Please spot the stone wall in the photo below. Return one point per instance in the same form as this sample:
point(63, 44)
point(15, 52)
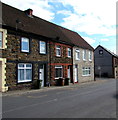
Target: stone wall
point(83, 63)
point(14, 56)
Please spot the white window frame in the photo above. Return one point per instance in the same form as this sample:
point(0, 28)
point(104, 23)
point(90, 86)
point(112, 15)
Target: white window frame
point(77, 54)
point(58, 48)
point(86, 71)
point(90, 55)
point(69, 52)
point(24, 39)
point(1, 39)
point(40, 47)
point(84, 54)
point(24, 68)
point(58, 66)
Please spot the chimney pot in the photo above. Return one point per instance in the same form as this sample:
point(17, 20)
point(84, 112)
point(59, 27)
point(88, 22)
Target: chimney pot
point(29, 13)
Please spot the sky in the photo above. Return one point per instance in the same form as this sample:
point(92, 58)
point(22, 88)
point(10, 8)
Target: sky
point(94, 20)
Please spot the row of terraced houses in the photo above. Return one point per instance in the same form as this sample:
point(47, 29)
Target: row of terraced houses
point(32, 49)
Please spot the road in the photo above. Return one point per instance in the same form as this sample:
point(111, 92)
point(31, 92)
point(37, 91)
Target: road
point(89, 101)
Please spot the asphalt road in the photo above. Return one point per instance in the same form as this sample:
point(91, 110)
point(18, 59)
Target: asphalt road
point(89, 101)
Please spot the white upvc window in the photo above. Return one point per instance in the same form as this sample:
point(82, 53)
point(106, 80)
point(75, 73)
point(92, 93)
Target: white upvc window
point(84, 54)
point(24, 72)
point(1, 39)
point(86, 71)
point(42, 47)
point(69, 52)
point(90, 55)
point(58, 71)
point(77, 54)
point(58, 50)
point(24, 44)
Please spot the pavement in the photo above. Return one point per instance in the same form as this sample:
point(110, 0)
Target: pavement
point(19, 92)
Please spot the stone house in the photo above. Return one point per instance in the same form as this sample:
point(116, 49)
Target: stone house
point(106, 63)
point(32, 49)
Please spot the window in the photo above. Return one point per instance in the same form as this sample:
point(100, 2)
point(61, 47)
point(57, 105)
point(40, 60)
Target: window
point(69, 52)
point(77, 54)
point(86, 71)
point(42, 47)
point(58, 51)
point(24, 44)
point(58, 71)
point(84, 54)
point(100, 52)
point(1, 37)
point(24, 72)
point(90, 55)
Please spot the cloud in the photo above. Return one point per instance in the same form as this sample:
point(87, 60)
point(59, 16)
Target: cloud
point(104, 39)
point(64, 12)
point(89, 40)
point(41, 8)
point(99, 16)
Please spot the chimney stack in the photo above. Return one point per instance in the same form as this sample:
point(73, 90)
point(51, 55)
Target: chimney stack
point(29, 13)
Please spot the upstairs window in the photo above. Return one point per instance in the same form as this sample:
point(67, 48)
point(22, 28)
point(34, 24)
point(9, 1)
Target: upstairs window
point(42, 47)
point(77, 54)
point(90, 55)
point(24, 44)
point(24, 72)
point(84, 54)
point(58, 50)
point(69, 52)
point(1, 39)
point(101, 52)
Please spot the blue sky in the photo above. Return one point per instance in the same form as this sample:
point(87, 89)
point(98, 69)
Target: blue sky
point(94, 20)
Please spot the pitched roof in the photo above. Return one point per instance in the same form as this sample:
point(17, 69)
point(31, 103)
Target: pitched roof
point(113, 54)
point(41, 27)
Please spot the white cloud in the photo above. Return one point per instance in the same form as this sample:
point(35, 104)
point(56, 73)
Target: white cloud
point(40, 8)
point(89, 40)
point(99, 18)
point(64, 12)
point(104, 39)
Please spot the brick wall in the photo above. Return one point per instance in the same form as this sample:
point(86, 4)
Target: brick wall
point(63, 60)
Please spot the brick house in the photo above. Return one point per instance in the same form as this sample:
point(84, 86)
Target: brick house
point(106, 63)
point(83, 58)
point(32, 48)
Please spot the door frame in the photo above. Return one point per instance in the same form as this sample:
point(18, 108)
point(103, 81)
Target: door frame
point(45, 72)
point(76, 65)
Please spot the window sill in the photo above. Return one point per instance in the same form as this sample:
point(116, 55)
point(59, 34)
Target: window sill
point(86, 75)
point(24, 81)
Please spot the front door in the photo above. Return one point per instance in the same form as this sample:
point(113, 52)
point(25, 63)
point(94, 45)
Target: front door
point(41, 74)
point(69, 73)
point(76, 73)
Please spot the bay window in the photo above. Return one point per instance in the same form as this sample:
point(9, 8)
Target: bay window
point(24, 72)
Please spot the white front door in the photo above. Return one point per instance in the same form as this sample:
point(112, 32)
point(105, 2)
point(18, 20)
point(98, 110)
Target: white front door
point(76, 73)
point(69, 73)
point(41, 74)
